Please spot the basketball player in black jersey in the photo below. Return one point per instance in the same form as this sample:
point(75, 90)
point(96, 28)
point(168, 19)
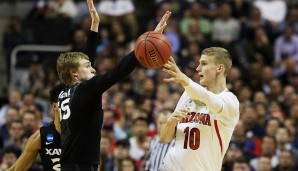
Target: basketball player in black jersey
point(46, 141)
point(80, 102)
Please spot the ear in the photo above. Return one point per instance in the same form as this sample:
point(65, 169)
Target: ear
point(54, 105)
point(221, 68)
point(73, 73)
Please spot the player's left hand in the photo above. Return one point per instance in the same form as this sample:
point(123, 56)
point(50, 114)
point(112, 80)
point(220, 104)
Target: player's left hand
point(163, 22)
point(177, 76)
point(94, 15)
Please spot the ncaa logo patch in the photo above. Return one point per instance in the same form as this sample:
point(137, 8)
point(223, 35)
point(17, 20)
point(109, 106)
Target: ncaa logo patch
point(50, 137)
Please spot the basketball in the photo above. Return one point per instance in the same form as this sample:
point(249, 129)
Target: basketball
point(153, 49)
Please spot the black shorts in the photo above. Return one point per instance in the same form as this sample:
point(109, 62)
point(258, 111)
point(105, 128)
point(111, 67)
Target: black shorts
point(79, 167)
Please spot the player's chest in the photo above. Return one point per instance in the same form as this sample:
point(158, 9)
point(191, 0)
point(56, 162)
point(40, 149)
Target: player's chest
point(199, 115)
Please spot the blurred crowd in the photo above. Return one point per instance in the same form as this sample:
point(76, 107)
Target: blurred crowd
point(261, 35)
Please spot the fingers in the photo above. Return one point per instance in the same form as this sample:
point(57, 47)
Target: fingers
point(166, 65)
point(163, 22)
point(172, 60)
point(169, 68)
point(89, 3)
point(164, 19)
point(171, 63)
point(171, 72)
point(163, 27)
point(166, 16)
point(180, 114)
point(169, 80)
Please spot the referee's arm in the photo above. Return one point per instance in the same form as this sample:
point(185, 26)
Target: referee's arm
point(167, 132)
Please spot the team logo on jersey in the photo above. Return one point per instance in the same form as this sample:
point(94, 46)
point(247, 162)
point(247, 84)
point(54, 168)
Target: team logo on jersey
point(51, 151)
point(200, 118)
point(50, 138)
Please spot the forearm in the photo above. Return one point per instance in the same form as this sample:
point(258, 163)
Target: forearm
point(23, 163)
point(28, 156)
point(90, 50)
point(124, 68)
point(126, 65)
point(167, 132)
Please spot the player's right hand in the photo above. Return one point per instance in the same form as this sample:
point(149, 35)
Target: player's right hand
point(179, 115)
point(163, 22)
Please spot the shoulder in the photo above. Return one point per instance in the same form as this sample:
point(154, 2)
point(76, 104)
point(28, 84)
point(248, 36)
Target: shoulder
point(230, 100)
point(46, 127)
point(184, 95)
point(35, 136)
point(226, 94)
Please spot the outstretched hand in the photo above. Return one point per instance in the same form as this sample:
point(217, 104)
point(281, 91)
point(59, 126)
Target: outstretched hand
point(177, 76)
point(163, 22)
point(94, 16)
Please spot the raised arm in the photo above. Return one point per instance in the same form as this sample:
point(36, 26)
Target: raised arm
point(93, 36)
point(28, 156)
point(94, 16)
point(125, 67)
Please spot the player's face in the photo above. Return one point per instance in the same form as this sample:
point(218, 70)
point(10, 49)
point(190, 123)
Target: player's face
point(207, 70)
point(85, 70)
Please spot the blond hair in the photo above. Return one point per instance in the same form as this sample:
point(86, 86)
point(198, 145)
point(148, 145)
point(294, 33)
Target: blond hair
point(221, 56)
point(66, 62)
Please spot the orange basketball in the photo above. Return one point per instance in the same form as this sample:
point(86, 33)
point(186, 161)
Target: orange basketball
point(153, 49)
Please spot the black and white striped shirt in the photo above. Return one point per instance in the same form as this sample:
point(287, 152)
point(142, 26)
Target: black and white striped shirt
point(156, 154)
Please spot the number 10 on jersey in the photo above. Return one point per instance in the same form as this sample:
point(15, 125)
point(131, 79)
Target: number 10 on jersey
point(192, 138)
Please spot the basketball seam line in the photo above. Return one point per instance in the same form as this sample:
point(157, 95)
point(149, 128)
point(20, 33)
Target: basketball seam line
point(161, 40)
point(146, 51)
point(157, 51)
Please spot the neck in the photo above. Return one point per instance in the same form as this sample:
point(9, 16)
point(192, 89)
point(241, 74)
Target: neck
point(72, 83)
point(218, 85)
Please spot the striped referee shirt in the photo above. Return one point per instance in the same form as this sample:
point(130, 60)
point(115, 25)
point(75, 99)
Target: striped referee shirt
point(156, 154)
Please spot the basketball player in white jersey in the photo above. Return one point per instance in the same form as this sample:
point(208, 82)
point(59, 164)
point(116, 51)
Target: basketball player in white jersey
point(204, 118)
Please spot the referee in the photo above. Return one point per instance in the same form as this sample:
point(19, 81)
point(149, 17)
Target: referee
point(158, 150)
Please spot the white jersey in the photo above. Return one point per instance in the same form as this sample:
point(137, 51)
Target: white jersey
point(202, 139)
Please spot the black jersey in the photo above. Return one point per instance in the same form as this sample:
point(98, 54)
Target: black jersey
point(82, 115)
point(50, 147)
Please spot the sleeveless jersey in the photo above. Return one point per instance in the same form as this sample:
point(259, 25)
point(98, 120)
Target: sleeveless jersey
point(50, 147)
point(202, 139)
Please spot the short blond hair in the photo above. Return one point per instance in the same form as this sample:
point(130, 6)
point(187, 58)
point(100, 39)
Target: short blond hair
point(221, 56)
point(66, 62)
